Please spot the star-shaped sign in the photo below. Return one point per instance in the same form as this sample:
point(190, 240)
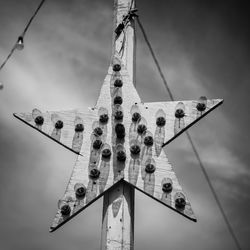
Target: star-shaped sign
point(120, 139)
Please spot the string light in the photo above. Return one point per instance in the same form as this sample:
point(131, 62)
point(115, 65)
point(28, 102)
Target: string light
point(19, 45)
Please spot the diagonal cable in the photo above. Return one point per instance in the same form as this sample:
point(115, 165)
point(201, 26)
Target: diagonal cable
point(22, 34)
point(230, 229)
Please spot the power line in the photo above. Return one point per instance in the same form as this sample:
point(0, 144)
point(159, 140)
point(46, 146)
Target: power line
point(230, 229)
point(20, 38)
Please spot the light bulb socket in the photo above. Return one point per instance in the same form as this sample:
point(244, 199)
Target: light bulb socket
point(97, 144)
point(98, 131)
point(104, 118)
point(39, 120)
point(94, 173)
point(118, 100)
point(118, 83)
point(106, 153)
point(136, 117)
point(79, 127)
point(160, 121)
point(65, 209)
point(59, 124)
point(121, 156)
point(120, 130)
point(149, 141)
point(119, 115)
point(141, 129)
point(179, 113)
point(135, 149)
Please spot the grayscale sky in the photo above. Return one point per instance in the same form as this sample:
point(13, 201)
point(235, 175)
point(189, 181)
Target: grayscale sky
point(204, 49)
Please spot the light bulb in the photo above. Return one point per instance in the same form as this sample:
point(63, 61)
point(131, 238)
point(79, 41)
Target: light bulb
point(19, 43)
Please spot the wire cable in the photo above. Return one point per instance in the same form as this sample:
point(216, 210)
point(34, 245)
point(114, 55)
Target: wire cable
point(22, 34)
point(230, 229)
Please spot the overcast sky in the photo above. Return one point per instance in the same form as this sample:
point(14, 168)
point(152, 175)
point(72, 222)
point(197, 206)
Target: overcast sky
point(203, 47)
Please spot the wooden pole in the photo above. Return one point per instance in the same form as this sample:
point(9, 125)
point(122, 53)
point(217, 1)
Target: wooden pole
point(118, 203)
point(118, 218)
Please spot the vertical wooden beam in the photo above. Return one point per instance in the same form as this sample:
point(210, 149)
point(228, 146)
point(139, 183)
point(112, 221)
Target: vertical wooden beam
point(118, 218)
point(121, 8)
point(118, 203)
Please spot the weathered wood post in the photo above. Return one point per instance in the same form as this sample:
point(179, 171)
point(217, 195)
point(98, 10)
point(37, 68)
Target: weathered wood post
point(119, 143)
point(118, 203)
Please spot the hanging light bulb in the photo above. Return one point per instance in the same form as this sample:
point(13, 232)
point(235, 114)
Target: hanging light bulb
point(1, 86)
point(19, 43)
